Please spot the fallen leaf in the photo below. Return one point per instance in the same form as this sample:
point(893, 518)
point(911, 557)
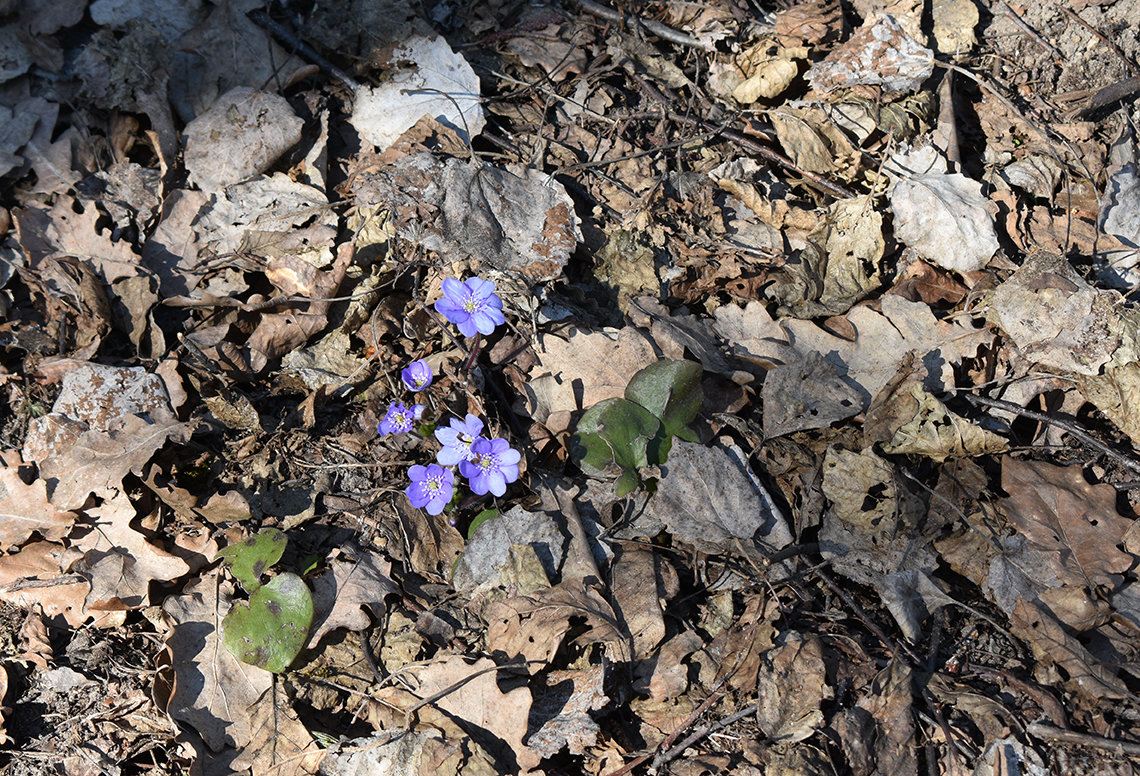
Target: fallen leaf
point(880, 53)
point(213, 691)
point(806, 394)
point(35, 641)
point(871, 527)
point(25, 509)
point(1052, 646)
point(946, 219)
point(905, 418)
point(33, 576)
point(240, 136)
point(1073, 523)
point(792, 684)
point(872, 356)
point(426, 78)
point(581, 368)
point(345, 594)
point(535, 626)
point(119, 560)
point(708, 498)
point(488, 549)
point(889, 702)
point(561, 710)
point(279, 744)
point(469, 692)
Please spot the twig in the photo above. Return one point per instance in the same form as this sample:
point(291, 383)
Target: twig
point(1116, 746)
point(1068, 426)
point(888, 642)
point(663, 31)
point(1106, 41)
point(289, 40)
point(1029, 30)
point(663, 747)
point(666, 757)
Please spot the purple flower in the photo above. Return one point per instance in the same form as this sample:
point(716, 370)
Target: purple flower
point(457, 440)
point(493, 464)
point(400, 419)
point(431, 487)
point(472, 305)
point(417, 375)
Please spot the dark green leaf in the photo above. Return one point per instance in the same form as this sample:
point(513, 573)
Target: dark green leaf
point(251, 558)
point(613, 438)
point(482, 517)
point(671, 390)
point(271, 629)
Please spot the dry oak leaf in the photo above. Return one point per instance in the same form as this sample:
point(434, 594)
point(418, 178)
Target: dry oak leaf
point(471, 695)
point(26, 510)
point(870, 356)
point(792, 685)
point(119, 560)
point(534, 626)
point(211, 690)
point(577, 369)
point(1074, 523)
point(33, 576)
point(343, 595)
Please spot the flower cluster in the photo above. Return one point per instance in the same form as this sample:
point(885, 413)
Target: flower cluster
point(488, 464)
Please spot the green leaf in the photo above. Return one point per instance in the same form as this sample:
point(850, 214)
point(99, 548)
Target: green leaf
point(613, 437)
point(482, 517)
point(271, 629)
point(671, 390)
point(251, 558)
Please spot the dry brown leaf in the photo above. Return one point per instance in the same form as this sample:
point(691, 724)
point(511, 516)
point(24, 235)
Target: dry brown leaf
point(280, 744)
point(871, 357)
point(25, 509)
point(534, 626)
point(212, 691)
point(1052, 646)
point(1074, 524)
point(792, 684)
point(4, 710)
point(471, 695)
point(890, 703)
point(33, 576)
point(345, 593)
point(99, 460)
point(562, 707)
point(880, 53)
point(639, 593)
point(581, 368)
point(1060, 321)
point(119, 560)
point(905, 418)
point(549, 49)
point(34, 640)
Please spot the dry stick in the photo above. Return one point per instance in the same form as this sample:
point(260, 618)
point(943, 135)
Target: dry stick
point(888, 642)
point(663, 746)
point(1050, 733)
point(657, 28)
point(1106, 41)
point(666, 757)
point(1029, 30)
point(1065, 425)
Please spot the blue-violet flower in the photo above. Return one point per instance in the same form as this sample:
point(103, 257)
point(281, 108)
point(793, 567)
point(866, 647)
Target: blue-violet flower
point(417, 375)
point(400, 419)
point(493, 464)
point(431, 487)
point(457, 440)
point(472, 305)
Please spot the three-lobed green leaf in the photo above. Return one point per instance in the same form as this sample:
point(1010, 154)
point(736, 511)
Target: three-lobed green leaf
point(250, 559)
point(620, 436)
point(270, 631)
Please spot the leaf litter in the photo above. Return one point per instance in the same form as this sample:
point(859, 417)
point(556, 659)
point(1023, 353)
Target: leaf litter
point(820, 353)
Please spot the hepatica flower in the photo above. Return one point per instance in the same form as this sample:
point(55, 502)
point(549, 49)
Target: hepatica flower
point(431, 487)
point(400, 419)
point(457, 440)
point(492, 465)
point(417, 375)
point(472, 305)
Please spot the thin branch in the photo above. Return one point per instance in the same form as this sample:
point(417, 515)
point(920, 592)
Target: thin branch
point(663, 31)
